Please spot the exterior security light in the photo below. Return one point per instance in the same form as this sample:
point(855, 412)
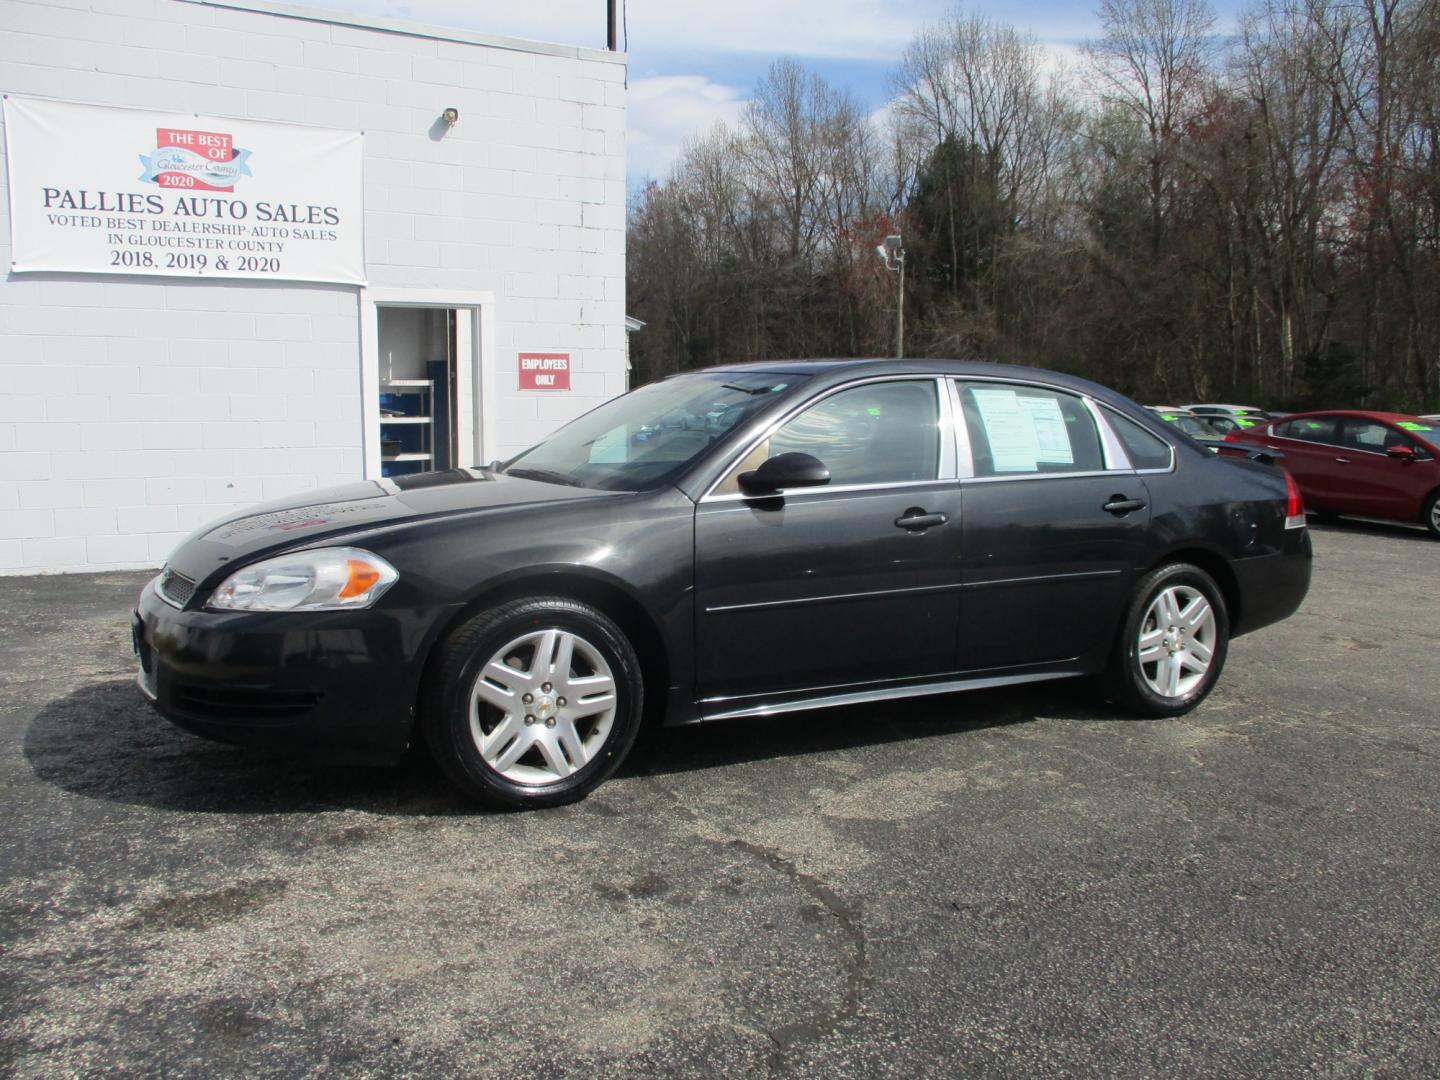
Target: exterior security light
point(892, 253)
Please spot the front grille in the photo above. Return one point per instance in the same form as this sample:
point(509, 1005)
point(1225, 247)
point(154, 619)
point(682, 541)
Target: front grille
point(237, 703)
point(175, 588)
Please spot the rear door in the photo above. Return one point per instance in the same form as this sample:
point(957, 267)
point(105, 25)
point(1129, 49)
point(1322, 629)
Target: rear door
point(1311, 445)
point(1055, 524)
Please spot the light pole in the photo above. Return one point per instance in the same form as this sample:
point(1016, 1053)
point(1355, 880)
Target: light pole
point(893, 253)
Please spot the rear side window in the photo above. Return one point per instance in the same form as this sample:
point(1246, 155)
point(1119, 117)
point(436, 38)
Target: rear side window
point(1317, 429)
point(1020, 430)
point(1145, 450)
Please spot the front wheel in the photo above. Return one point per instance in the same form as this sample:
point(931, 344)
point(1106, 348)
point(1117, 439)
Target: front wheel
point(1172, 643)
point(533, 703)
point(1430, 515)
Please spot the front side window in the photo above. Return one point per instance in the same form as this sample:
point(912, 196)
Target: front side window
point(876, 433)
point(1370, 436)
point(1021, 430)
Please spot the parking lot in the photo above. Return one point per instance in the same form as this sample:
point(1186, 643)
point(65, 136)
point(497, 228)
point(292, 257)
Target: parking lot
point(1015, 882)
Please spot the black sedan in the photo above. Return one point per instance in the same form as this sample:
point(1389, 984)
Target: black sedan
point(743, 541)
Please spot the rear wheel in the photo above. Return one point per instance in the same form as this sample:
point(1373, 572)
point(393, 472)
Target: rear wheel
point(1172, 643)
point(534, 703)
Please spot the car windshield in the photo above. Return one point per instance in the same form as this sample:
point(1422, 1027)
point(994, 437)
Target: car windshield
point(646, 438)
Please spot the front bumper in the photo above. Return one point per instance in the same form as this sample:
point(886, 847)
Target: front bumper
point(341, 685)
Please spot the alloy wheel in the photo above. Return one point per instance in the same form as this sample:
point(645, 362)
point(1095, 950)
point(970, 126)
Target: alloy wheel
point(542, 707)
point(1177, 641)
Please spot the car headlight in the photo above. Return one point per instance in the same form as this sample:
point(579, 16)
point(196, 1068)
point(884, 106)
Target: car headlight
point(325, 579)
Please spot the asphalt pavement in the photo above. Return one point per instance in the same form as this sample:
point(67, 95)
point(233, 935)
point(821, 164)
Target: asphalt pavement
point(1000, 883)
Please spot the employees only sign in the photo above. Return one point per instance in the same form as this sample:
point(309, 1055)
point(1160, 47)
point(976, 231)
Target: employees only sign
point(97, 190)
point(544, 371)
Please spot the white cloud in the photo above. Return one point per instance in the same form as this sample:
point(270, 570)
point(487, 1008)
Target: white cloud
point(666, 111)
point(861, 29)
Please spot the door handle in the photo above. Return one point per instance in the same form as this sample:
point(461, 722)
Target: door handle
point(1343, 460)
point(1119, 505)
point(917, 520)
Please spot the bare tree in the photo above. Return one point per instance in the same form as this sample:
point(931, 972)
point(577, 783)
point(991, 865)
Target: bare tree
point(1153, 62)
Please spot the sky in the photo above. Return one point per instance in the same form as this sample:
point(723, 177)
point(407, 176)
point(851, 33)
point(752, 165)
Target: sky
point(694, 63)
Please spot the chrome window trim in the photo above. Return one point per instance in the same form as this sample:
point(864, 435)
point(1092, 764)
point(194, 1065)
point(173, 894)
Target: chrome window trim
point(1041, 476)
point(1117, 459)
point(1372, 453)
point(965, 453)
point(948, 455)
point(945, 463)
point(1311, 442)
point(825, 489)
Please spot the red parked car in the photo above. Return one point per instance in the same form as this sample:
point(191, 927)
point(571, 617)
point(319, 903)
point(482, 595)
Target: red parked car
point(1376, 464)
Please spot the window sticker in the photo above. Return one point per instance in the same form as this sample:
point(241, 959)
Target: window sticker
point(1411, 425)
point(1052, 438)
point(612, 447)
point(1170, 416)
point(1013, 446)
point(1314, 425)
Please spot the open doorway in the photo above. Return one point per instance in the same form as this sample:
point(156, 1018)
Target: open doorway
point(428, 397)
point(418, 403)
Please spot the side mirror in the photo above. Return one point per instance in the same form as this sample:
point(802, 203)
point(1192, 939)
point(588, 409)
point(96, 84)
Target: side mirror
point(1400, 452)
point(791, 470)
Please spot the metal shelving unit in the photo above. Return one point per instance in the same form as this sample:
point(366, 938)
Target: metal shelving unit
point(411, 450)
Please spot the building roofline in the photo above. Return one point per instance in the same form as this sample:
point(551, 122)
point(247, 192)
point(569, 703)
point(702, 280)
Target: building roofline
point(412, 29)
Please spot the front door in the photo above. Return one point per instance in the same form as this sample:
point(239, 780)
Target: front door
point(853, 583)
point(1374, 482)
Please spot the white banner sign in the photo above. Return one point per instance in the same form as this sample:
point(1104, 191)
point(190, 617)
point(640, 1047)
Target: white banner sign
point(96, 190)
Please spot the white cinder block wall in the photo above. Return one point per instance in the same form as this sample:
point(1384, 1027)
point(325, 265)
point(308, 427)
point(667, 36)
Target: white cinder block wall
point(133, 410)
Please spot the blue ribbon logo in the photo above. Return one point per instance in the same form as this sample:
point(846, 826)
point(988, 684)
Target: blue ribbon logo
point(176, 159)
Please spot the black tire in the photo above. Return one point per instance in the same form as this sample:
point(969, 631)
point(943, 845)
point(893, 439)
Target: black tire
point(1428, 515)
point(1124, 681)
point(445, 704)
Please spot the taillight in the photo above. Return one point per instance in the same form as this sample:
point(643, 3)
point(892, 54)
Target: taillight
point(1294, 504)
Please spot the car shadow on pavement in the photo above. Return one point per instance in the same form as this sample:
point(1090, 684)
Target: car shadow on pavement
point(104, 742)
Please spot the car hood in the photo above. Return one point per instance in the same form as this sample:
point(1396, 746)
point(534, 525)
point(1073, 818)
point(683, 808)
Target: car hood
point(332, 513)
